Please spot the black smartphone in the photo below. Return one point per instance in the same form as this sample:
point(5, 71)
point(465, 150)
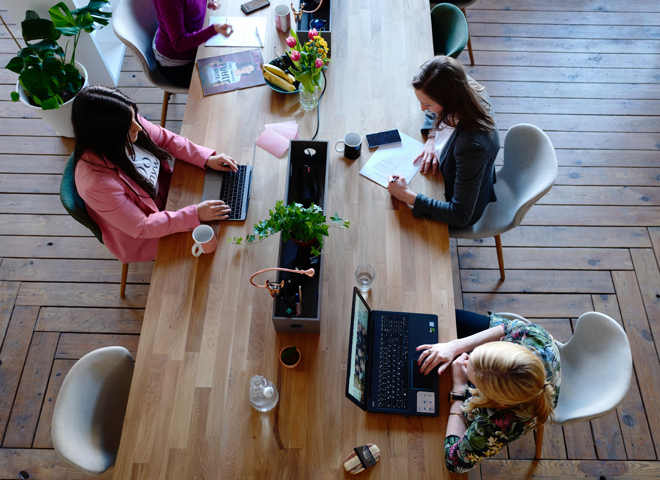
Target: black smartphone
point(253, 6)
point(383, 138)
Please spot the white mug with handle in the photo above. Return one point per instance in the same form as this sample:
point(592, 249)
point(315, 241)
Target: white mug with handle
point(205, 241)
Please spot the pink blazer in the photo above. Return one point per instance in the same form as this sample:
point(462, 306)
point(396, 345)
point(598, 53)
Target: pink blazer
point(131, 222)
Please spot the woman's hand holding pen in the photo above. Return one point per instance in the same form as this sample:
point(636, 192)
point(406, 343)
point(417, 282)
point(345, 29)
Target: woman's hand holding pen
point(222, 162)
point(398, 188)
point(224, 29)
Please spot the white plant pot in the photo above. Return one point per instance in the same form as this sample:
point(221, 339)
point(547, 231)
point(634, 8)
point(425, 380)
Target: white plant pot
point(60, 118)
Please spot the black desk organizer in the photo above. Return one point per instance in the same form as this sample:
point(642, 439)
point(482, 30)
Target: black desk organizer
point(292, 256)
point(302, 27)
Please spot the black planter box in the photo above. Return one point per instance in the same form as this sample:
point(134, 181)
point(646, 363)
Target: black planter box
point(302, 27)
point(292, 256)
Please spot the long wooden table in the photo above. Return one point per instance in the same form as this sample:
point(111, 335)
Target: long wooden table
point(206, 330)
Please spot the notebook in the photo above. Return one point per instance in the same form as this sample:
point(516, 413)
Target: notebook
point(382, 372)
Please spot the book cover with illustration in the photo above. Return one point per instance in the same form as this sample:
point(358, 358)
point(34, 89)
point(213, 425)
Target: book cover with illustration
point(231, 72)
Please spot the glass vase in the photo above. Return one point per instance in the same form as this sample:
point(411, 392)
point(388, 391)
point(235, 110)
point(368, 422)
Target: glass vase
point(309, 100)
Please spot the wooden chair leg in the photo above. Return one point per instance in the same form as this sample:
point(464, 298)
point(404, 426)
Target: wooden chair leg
point(500, 256)
point(539, 442)
point(163, 114)
point(124, 275)
point(469, 45)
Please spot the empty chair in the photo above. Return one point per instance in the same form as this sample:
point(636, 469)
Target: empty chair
point(529, 172)
point(90, 409)
point(75, 205)
point(450, 30)
point(463, 4)
point(588, 389)
point(135, 24)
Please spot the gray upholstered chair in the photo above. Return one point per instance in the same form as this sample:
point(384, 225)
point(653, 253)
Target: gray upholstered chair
point(463, 4)
point(588, 390)
point(90, 409)
point(135, 24)
point(529, 171)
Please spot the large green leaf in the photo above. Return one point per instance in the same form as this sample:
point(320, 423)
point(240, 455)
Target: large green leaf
point(47, 46)
point(92, 14)
point(39, 29)
point(15, 65)
point(74, 80)
point(62, 17)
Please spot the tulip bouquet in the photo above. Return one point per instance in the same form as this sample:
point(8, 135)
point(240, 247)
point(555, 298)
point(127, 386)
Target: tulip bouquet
point(309, 59)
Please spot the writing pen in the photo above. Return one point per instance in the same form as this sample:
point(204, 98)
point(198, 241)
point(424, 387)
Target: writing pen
point(395, 178)
point(256, 29)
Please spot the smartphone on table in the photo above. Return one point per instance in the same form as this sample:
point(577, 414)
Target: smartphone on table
point(253, 6)
point(383, 138)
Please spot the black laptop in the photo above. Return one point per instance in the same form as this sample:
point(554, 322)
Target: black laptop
point(382, 371)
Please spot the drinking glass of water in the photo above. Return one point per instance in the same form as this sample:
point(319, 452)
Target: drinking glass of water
point(364, 277)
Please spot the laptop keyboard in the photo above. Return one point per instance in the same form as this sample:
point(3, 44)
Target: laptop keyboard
point(393, 368)
point(233, 190)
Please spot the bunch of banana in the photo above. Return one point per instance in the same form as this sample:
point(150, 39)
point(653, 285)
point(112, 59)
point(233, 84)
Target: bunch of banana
point(278, 77)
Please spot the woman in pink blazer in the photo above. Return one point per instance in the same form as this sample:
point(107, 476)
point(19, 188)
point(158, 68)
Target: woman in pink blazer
point(122, 174)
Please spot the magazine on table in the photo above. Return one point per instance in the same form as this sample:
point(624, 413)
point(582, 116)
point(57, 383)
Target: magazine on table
point(233, 71)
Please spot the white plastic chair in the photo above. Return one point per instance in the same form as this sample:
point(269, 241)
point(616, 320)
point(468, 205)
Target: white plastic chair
point(529, 171)
point(588, 389)
point(135, 24)
point(90, 409)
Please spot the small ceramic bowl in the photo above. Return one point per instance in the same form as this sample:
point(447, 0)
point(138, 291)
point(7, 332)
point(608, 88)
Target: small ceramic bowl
point(278, 89)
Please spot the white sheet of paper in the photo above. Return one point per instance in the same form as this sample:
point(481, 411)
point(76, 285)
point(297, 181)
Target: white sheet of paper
point(394, 160)
point(244, 33)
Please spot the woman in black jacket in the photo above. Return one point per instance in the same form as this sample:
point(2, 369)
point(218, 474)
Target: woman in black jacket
point(463, 143)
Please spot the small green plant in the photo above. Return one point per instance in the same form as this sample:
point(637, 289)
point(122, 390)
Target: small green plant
point(294, 221)
point(289, 354)
point(49, 81)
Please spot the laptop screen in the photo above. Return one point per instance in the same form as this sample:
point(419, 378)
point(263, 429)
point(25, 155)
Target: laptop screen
point(358, 355)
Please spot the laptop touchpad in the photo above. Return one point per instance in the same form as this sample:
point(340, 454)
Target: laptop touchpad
point(421, 381)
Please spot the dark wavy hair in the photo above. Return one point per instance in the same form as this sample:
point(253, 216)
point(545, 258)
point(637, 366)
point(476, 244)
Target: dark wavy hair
point(102, 119)
point(444, 80)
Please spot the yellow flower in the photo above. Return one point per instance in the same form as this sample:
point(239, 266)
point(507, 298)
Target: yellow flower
point(321, 51)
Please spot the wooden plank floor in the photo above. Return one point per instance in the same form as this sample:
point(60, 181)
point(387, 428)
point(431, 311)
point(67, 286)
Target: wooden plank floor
point(587, 72)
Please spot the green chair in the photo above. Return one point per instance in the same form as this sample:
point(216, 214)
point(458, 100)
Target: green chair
point(463, 4)
point(450, 30)
point(75, 205)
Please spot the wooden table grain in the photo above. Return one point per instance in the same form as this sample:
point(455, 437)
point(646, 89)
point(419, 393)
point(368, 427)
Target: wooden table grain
point(206, 330)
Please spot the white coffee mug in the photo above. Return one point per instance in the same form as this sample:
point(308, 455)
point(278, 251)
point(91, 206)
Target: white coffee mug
point(282, 18)
point(205, 241)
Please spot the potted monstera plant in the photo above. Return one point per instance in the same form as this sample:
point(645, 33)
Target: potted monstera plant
point(48, 75)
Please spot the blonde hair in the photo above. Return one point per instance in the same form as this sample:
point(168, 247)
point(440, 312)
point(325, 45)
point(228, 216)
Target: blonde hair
point(510, 376)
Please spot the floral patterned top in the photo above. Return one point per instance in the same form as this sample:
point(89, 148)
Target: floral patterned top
point(490, 430)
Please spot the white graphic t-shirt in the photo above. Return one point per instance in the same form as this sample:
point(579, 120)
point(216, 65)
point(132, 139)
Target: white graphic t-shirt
point(146, 164)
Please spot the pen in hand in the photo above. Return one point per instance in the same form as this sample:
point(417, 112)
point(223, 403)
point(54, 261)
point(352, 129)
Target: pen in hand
point(395, 178)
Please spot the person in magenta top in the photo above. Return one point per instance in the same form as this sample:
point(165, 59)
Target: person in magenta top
point(179, 34)
point(123, 175)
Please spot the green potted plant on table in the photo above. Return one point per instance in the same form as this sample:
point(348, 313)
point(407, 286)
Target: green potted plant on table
point(290, 356)
point(47, 82)
point(306, 226)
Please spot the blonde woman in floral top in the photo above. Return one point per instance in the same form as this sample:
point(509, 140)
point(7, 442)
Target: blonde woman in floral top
point(510, 382)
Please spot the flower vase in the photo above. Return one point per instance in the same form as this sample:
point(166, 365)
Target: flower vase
point(309, 100)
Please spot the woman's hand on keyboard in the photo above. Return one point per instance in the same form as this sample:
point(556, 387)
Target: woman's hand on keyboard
point(432, 355)
point(211, 210)
point(222, 162)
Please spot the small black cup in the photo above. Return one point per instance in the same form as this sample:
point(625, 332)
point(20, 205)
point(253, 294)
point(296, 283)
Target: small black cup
point(352, 145)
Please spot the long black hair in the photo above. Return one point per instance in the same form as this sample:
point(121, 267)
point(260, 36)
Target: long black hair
point(102, 118)
point(444, 80)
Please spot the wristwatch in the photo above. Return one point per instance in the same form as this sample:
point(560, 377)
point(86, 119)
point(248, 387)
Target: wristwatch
point(456, 396)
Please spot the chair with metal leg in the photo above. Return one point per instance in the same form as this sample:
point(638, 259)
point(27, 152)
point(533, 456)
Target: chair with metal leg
point(75, 205)
point(529, 171)
point(135, 24)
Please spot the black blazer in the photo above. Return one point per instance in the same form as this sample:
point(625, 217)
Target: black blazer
point(467, 165)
